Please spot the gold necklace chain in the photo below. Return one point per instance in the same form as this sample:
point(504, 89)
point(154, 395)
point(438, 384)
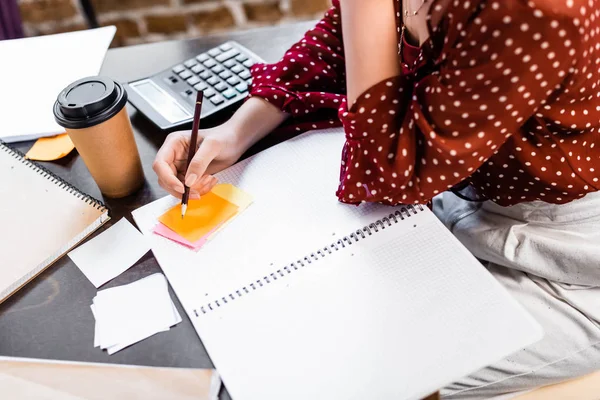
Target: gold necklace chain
point(408, 14)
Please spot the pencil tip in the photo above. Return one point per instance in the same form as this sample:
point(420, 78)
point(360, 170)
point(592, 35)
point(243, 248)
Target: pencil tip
point(183, 210)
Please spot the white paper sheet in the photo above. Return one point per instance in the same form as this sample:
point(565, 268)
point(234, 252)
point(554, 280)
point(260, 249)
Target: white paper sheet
point(110, 253)
point(130, 313)
point(96, 327)
point(134, 309)
point(34, 70)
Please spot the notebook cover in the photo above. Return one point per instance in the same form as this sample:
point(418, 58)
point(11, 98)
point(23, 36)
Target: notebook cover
point(41, 218)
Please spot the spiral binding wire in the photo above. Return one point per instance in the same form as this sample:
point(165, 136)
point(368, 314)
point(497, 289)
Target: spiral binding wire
point(46, 173)
point(399, 215)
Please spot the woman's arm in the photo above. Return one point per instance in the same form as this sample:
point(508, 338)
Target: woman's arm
point(254, 120)
point(370, 44)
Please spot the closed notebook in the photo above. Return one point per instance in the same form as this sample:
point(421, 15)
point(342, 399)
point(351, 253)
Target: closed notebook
point(302, 297)
point(25, 379)
point(41, 218)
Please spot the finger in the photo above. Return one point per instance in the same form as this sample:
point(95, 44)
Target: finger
point(173, 143)
point(207, 152)
point(212, 183)
point(169, 189)
point(203, 184)
point(202, 181)
point(207, 187)
point(167, 177)
point(167, 155)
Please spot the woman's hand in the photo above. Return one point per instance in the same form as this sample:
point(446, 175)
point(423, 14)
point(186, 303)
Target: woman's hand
point(218, 148)
point(216, 151)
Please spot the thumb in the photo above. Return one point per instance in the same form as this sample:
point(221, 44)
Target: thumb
point(208, 150)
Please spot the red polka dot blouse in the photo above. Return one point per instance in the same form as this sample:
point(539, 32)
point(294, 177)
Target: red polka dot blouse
point(503, 97)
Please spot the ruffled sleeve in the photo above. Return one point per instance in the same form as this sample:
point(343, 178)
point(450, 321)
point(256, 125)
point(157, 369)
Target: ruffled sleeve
point(311, 75)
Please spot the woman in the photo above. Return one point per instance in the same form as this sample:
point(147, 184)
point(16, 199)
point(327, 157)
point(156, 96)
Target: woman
point(492, 102)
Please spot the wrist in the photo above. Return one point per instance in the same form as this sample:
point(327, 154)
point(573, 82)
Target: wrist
point(234, 136)
point(253, 121)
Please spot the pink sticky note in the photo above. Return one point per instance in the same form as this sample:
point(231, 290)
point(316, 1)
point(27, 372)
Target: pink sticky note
point(164, 231)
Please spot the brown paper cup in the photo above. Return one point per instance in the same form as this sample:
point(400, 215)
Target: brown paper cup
point(92, 111)
point(110, 153)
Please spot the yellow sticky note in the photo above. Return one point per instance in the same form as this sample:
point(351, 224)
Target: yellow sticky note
point(202, 216)
point(51, 148)
point(233, 195)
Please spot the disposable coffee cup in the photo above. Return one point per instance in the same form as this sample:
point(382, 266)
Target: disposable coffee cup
point(92, 111)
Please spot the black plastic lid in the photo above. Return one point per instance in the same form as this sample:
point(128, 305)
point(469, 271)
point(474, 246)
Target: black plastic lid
point(88, 102)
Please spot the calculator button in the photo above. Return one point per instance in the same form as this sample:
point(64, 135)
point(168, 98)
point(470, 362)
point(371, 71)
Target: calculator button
point(214, 52)
point(245, 74)
point(197, 69)
point(185, 74)
point(248, 63)
point(205, 74)
point(187, 93)
point(229, 63)
point(212, 81)
point(220, 86)
point(172, 80)
point(225, 47)
point(225, 74)
point(217, 99)
point(209, 63)
point(201, 86)
point(217, 68)
point(190, 63)
point(234, 80)
point(193, 80)
point(209, 92)
point(237, 68)
point(242, 87)
point(178, 68)
point(227, 55)
point(229, 94)
point(202, 57)
point(242, 58)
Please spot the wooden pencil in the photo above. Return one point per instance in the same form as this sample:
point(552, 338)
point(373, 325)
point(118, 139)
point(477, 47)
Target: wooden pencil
point(192, 150)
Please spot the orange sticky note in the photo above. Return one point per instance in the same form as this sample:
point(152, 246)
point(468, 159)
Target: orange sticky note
point(51, 148)
point(201, 218)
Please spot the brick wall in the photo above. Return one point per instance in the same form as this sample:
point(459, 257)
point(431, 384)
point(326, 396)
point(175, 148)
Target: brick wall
point(140, 21)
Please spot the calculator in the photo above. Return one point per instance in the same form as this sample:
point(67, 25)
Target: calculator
point(168, 98)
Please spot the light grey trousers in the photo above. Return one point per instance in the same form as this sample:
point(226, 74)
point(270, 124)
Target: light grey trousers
point(548, 257)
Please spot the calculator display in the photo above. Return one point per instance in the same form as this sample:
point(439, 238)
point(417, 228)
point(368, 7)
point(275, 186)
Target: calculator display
point(161, 101)
point(168, 98)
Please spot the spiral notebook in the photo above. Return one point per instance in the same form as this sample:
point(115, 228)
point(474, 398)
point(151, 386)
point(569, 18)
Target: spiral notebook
point(41, 218)
point(302, 297)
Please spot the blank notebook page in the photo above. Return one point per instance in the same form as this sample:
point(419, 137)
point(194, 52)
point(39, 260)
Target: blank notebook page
point(395, 315)
point(41, 218)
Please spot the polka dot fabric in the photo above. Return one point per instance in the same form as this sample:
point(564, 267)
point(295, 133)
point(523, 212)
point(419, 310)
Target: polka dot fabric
point(502, 97)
